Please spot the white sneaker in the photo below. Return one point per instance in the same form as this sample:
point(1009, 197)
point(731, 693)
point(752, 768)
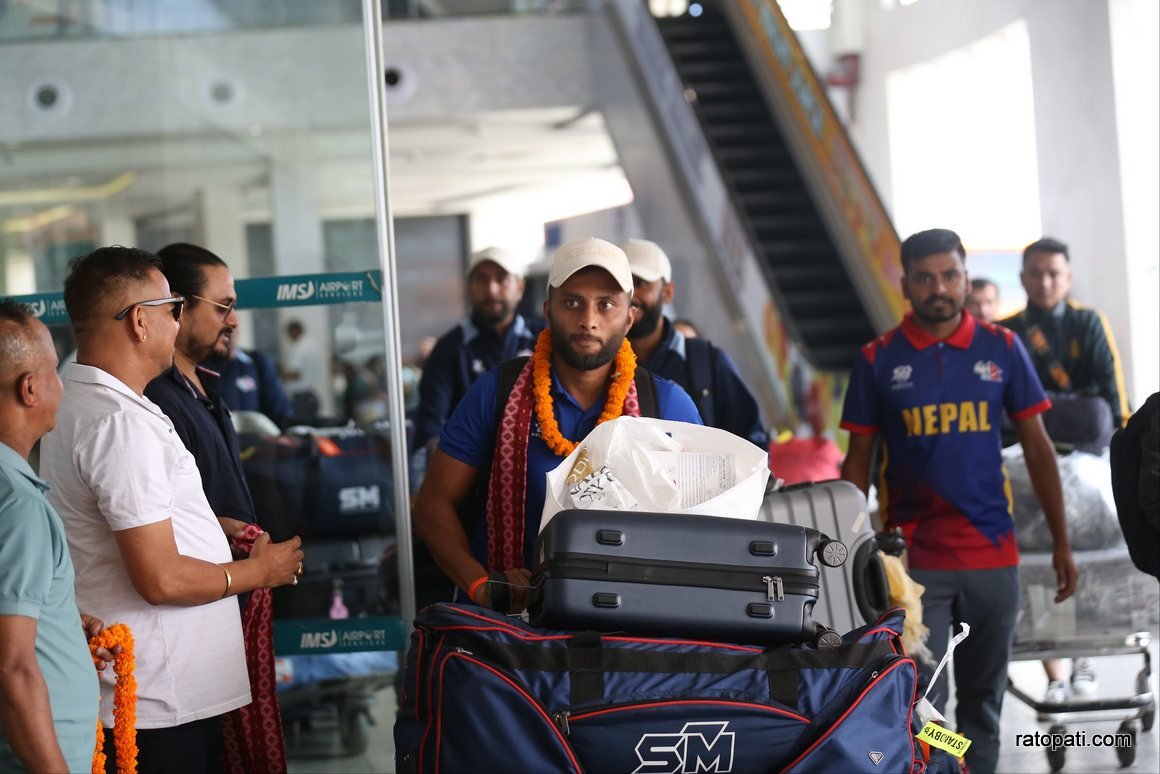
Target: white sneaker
point(1056, 693)
point(1083, 678)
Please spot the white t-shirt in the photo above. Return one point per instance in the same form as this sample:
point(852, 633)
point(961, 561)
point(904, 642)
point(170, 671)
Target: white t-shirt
point(116, 462)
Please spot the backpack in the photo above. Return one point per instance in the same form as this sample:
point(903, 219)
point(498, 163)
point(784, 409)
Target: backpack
point(699, 364)
point(1129, 480)
point(431, 585)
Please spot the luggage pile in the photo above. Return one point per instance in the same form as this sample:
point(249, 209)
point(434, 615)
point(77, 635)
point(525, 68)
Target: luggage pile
point(675, 643)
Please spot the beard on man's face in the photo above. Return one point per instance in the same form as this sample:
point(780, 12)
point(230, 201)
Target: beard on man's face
point(647, 320)
point(493, 312)
point(937, 309)
point(584, 361)
point(219, 350)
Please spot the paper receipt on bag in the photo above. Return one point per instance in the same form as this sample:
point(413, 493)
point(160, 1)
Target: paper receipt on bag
point(937, 736)
point(699, 476)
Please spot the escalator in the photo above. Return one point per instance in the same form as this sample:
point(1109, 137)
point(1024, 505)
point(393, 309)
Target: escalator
point(799, 257)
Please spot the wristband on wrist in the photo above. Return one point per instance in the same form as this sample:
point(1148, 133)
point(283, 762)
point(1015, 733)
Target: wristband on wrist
point(474, 587)
point(229, 581)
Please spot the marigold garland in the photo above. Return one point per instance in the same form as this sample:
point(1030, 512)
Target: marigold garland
point(623, 371)
point(124, 701)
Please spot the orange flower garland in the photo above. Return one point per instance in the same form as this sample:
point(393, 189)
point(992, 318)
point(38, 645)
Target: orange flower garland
point(623, 370)
point(124, 701)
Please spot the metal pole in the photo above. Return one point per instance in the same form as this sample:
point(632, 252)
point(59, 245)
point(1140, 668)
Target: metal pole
point(373, 30)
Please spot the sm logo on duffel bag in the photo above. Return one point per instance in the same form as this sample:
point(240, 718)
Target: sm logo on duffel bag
point(698, 747)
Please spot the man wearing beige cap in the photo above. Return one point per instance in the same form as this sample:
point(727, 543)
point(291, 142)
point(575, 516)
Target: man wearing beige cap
point(706, 372)
point(492, 333)
point(507, 438)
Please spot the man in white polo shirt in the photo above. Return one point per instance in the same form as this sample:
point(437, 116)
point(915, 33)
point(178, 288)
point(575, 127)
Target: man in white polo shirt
point(147, 548)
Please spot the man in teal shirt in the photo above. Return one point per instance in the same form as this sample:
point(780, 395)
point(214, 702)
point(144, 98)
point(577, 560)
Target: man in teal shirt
point(48, 688)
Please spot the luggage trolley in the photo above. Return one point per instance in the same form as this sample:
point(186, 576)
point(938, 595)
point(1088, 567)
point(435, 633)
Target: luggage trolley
point(1114, 610)
point(1136, 709)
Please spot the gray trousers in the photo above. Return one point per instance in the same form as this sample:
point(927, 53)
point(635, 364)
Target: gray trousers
point(988, 600)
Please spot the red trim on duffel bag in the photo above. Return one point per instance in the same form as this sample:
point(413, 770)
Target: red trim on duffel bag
point(430, 704)
point(530, 699)
point(684, 702)
point(855, 703)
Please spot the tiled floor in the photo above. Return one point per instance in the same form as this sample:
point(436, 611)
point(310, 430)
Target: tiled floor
point(319, 750)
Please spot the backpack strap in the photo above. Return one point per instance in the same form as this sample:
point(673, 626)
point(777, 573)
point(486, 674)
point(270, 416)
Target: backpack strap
point(646, 393)
point(699, 367)
point(509, 372)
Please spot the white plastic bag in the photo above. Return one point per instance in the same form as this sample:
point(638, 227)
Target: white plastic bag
point(643, 464)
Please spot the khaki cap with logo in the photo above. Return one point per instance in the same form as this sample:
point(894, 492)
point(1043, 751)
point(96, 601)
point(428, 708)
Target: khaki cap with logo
point(583, 253)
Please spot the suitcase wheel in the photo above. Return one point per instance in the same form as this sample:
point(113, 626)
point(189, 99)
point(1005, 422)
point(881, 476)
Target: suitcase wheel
point(827, 638)
point(833, 553)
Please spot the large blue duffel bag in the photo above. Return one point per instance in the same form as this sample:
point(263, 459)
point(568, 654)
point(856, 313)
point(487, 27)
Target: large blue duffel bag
point(485, 692)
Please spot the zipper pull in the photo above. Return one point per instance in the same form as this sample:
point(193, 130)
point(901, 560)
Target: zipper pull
point(561, 719)
point(464, 652)
point(774, 591)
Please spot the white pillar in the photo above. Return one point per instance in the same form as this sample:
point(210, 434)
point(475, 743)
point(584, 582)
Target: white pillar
point(298, 243)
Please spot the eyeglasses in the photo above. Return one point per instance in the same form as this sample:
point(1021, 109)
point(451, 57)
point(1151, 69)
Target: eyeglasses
point(177, 301)
point(227, 309)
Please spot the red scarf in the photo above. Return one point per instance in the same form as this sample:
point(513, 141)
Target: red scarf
point(253, 733)
point(507, 489)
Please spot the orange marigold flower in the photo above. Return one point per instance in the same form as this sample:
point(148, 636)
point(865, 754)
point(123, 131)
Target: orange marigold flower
point(623, 371)
point(124, 701)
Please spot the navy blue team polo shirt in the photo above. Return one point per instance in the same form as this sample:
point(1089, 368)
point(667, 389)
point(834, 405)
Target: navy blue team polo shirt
point(469, 436)
point(938, 405)
point(204, 425)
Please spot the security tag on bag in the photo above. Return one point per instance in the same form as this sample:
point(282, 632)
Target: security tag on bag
point(937, 736)
point(926, 711)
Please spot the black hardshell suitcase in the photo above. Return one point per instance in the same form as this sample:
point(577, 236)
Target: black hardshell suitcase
point(673, 575)
point(856, 593)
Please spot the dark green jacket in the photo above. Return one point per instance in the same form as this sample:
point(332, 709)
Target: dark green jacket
point(1081, 340)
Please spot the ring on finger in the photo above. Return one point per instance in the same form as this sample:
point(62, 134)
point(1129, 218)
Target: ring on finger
point(299, 570)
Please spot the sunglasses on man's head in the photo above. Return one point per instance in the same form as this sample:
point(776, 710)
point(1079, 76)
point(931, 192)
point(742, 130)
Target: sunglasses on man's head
point(177, 301)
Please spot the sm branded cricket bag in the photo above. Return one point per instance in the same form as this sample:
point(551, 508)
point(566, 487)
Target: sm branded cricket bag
point(483, 692)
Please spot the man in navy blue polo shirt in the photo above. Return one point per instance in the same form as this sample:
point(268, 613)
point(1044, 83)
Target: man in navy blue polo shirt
point(491, 334)
point(557, 399)
point(250, 382)
point(706, 372)
point(189, 392)
point(934, 389)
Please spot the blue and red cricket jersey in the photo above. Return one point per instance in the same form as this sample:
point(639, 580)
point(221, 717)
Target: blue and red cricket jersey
point(938, 405)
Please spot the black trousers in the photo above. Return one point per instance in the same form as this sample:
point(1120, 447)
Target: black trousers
point(192, 748)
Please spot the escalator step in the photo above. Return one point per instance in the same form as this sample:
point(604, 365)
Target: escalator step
point(717, 89)
point(764, 176)
point(702, 50)
point(792, 250)
point(695, 71)
point(758, 203)
point(811, 303)
point(751, 153)
point(777, 226)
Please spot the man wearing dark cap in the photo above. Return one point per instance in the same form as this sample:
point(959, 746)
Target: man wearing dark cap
point(706, 372)
point(935, 389)
point(492, 333)
point(583, 370)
